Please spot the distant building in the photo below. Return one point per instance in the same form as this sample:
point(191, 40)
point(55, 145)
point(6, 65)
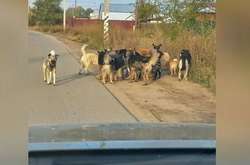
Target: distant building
point(121, 12)
point(94, 15)
point(207, 13)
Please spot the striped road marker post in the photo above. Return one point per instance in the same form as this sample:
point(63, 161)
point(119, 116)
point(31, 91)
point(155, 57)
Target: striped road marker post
point(106, 24)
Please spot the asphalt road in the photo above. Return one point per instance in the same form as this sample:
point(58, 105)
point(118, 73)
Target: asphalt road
point(75, 99)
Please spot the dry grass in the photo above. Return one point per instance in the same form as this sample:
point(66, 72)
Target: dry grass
point(202, 47)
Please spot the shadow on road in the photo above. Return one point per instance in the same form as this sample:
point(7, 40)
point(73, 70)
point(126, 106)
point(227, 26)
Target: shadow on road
point(69, 78)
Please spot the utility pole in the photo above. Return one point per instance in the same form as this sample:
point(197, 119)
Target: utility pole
point(75, 9)
point(139, 3)
point(64, 16)
point(136, 14)
point(106, 24)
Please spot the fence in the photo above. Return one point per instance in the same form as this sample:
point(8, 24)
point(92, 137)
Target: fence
point(125, 24)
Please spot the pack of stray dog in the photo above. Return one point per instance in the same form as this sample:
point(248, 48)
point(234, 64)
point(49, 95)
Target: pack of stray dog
point(124, 64)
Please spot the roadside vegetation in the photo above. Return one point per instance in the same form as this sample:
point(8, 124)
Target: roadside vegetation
point(182, 30)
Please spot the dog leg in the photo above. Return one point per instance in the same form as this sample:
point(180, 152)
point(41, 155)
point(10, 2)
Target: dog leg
point(54, 77)
point(186, 71)
point(171, 71)
point(47, 76)
point(180, 67)
point(50, 77)
point(86, 70)
point(176, 71)
point(179, 75)
point(82, 66)
point(111, 78)
point(44, 74)
point(186, 75)
point(103, 77)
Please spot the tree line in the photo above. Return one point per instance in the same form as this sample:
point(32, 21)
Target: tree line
point(179, 13)
point(50, 12)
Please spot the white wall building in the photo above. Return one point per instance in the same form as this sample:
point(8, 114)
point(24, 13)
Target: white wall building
point(119, 12)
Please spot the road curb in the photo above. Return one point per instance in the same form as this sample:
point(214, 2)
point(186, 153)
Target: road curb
point(124, 145)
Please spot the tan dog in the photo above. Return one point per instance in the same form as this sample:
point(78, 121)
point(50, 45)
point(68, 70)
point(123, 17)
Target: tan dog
point(107, 74)
point(87, 60)
point(173, 66)
point(49, 68)
point(133, 74)
point(147, 67)
point(106, 70)
point(165, 59)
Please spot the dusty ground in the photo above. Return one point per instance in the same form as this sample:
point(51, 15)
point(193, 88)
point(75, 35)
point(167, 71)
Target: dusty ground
point(166, 100)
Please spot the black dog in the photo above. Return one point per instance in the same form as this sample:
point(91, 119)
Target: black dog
point(184, 63)
point(156, 69)
point(185, 56)
point(134, 56)
point(101, 55)
point(119, 62)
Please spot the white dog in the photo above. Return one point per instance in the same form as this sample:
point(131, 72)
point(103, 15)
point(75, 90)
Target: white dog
point(87, 59)
point(49, 68)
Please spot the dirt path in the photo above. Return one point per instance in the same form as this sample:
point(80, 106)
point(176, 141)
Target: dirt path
point(166, 100)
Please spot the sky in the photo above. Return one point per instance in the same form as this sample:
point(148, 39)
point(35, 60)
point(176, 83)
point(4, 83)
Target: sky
point(94, 4)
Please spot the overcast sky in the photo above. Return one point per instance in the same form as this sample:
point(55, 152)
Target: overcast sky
point(94, 4)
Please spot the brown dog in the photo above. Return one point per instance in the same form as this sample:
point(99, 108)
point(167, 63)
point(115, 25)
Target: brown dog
point(173, 64)
point(106, 70)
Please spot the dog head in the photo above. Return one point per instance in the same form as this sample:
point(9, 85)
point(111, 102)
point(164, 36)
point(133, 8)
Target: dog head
point(102, 52)
point(52, 58)
point(157, 47)
point(184, 52)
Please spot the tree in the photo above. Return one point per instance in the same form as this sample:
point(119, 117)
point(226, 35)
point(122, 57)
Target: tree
point(79, 12)
point(147, 11)
point(47, 12)
point(183, 13)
